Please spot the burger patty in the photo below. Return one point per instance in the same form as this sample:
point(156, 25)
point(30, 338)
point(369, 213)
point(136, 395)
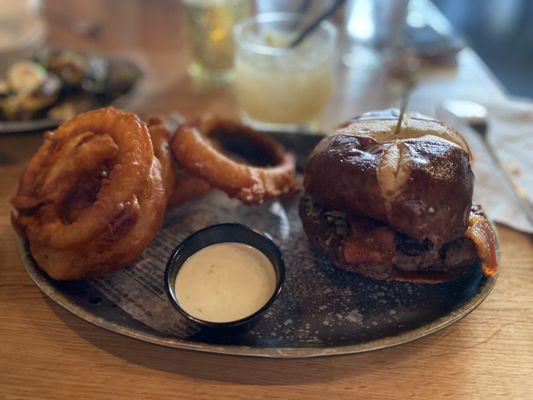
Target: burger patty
point(371, 248)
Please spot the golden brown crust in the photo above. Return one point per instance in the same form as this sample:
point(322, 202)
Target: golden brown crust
point(179, 186)
point(92, 197)
point(197, 156)
point(187, 188)
point(161, 137)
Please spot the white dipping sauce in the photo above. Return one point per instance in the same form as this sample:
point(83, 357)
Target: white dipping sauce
point(225, 282)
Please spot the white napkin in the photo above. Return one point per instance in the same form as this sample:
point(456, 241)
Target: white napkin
point(510, 133)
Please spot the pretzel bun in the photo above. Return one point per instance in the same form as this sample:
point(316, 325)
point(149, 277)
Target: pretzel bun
point(418, 181)
point(394, 205)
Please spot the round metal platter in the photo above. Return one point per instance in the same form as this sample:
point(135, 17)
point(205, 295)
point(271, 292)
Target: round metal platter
point(321, 311)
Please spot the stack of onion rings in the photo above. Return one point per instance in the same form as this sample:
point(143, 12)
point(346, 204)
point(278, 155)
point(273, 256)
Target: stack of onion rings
point(93, 196)
point(199, 157)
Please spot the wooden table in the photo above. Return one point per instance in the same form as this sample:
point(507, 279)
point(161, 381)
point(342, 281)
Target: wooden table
point(45, 352)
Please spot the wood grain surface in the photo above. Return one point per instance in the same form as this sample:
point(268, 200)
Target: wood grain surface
point(47, 353)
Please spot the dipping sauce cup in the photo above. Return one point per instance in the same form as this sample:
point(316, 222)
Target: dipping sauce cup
point(281, 88)
point(224, 277)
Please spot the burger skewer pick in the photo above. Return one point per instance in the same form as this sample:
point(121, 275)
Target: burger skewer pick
point(403, 107)
point(389, 196)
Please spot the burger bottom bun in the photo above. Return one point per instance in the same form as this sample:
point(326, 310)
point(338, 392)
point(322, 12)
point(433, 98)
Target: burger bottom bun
point(385, 253)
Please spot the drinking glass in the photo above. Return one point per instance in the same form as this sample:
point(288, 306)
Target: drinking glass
point(281, 88)
point(376, 29)
point(209, 25)
point(22, 30)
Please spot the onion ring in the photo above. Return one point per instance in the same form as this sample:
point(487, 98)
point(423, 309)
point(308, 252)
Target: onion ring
point(186, 188)
point(197, 155)
point(160, 137)
point(179, 186)
point(92, 197)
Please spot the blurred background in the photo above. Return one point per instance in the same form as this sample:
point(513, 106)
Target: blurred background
point(158, 38)
point(501, 33)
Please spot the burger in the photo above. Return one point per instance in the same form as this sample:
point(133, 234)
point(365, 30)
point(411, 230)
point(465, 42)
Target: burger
point(395, 202)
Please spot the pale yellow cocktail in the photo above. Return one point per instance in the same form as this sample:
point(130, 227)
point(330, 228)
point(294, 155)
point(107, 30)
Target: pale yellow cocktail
point(280, 88)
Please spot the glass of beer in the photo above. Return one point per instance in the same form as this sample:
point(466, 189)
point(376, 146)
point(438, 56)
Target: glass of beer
point(209, 25)
point(281, 88)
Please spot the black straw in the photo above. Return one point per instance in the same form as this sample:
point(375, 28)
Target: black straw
point(313, 25)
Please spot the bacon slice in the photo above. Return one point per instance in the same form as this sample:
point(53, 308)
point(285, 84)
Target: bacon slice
point(368, 242)
point(484, 237)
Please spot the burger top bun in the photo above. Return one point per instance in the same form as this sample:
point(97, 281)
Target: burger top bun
point(418, 181)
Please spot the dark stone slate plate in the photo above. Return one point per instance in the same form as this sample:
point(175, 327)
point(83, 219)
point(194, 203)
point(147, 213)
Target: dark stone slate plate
point(321, 310)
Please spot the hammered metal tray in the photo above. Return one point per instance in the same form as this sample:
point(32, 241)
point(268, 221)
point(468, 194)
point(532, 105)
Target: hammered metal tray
point(321, 311)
